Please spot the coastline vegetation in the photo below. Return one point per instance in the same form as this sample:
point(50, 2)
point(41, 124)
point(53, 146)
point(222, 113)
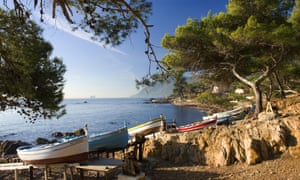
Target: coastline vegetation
point(253, 43)
point(248, 46)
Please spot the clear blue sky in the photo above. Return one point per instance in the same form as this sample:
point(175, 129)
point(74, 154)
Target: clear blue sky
point(105, 72)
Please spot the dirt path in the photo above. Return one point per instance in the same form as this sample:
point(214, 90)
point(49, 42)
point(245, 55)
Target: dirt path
point(283, 168)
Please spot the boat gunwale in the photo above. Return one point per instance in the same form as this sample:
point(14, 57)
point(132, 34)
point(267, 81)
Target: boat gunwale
point(109, 133)
point(57, 145)
point(146, 123)
point(141, 129)
point(193, 126)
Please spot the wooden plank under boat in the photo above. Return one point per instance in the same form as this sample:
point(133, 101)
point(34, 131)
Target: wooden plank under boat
point(109, 141)
point(148, 127)
point(69, 150)
point(197, 125)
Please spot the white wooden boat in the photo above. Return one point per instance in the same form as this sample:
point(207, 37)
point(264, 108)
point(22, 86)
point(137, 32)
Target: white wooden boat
point(230, 112)
point(69, 150)
point(149, 127)
point(227, 116)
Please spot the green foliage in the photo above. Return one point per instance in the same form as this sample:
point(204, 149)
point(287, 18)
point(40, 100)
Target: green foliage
point(195, 88)
point(30, 82)
point(180, 84)
point(251, 41)
point(289, 75)
point(235, 97)
point(111, 22)
point(295, 16)
point(209, 99)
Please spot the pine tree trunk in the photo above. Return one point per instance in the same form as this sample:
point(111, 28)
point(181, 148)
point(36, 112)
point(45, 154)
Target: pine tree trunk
point(282, 93)
point(255, 87)
point(258, 98)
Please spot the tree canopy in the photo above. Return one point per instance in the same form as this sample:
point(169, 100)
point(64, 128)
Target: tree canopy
point(110, 22)
point(30, 81)
point(252, 40)
point(40, 90)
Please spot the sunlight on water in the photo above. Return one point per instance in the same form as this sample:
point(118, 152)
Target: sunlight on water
point(101, 115)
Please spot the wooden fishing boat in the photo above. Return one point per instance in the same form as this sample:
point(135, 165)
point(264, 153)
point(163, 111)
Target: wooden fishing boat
point(228, 116)
point(69, 150)
point(149, 127)
point(109, 141)
point(197, 125)
point(230, 112)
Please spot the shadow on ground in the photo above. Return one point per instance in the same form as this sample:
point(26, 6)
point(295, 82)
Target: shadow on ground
point(165, 174)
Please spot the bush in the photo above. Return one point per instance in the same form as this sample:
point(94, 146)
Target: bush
point(235, 97)
point(214, 99)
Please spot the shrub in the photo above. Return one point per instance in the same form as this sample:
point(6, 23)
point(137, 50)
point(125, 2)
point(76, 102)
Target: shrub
point(214, 99)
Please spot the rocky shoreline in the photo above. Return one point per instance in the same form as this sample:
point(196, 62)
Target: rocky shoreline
point(248, 142)
point(265, 148)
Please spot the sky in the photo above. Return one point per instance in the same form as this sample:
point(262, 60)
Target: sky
point(95, 71)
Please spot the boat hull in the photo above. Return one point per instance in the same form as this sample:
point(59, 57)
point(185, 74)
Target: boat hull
point(226, 120)
point(197, 125)
point(72, 150)
point(148, 127)
point(109, 141)
point(228, 116)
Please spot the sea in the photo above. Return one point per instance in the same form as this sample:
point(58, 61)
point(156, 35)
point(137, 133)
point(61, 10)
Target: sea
point(101, 115)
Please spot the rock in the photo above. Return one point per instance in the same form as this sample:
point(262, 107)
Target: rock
point(250, 141)
point(67, 134)
point(130, 166)
point(295, 151)
point(239, 151)
point(266, 116)
point(41, 141)
point(293, 138)
point(57, 134)
point(9, 148)
point(44, 141)
point(79, 132)
point(252, 148)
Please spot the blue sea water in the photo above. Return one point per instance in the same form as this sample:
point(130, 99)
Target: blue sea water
point(101, 115)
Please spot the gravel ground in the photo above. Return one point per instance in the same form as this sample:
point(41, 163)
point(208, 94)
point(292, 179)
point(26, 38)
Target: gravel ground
point(282, 168)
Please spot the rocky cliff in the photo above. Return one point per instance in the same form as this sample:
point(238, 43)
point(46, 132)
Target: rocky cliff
point(248, 141)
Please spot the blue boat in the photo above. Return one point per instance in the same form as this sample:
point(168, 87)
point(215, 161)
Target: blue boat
point(109, 141)
point(230, 118)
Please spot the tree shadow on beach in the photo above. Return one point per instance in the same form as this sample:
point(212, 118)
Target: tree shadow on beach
point(176, 174)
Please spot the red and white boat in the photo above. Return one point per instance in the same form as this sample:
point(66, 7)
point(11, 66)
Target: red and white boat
point(197, 125)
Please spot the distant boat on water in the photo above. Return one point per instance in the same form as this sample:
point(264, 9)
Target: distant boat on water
point(158, 100)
